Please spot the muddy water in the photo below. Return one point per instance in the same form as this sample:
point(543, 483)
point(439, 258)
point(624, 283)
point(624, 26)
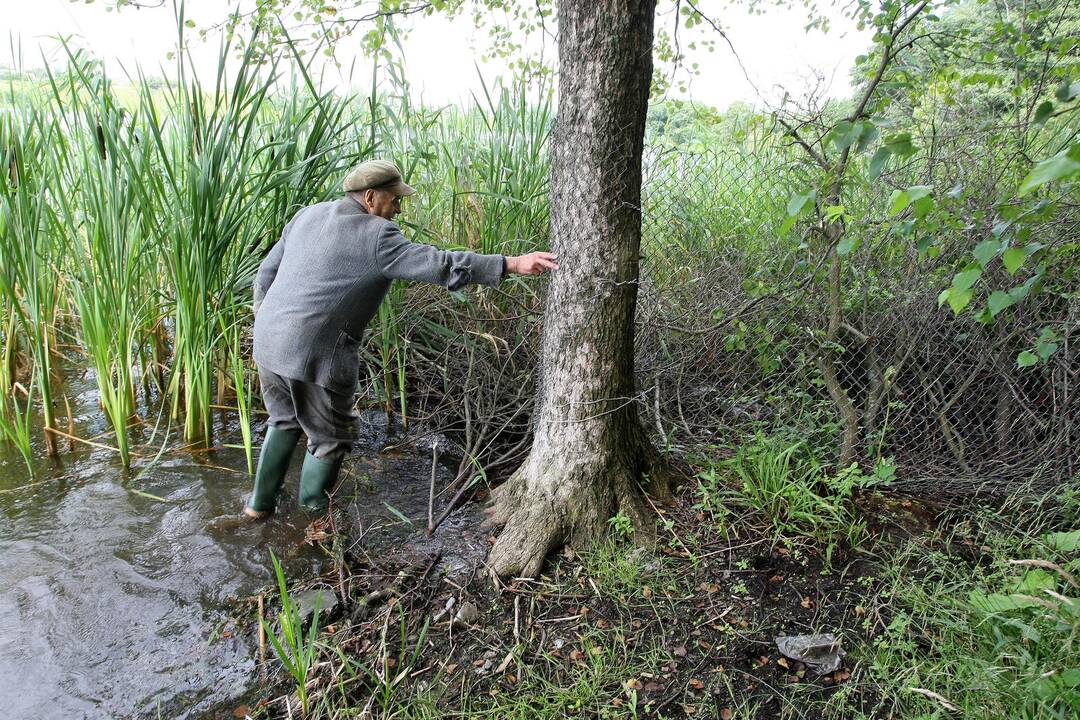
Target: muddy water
point(116, 598)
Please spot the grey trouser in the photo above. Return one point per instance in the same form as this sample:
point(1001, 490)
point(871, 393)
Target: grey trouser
point(328, 418)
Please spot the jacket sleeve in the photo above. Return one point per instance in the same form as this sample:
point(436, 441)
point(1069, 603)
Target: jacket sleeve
point(400, 259)
point(268, 268)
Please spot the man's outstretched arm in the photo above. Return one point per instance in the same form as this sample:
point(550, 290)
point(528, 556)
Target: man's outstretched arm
point(453, 269)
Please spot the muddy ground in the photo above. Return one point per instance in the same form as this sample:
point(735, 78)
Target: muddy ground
point(686, 629)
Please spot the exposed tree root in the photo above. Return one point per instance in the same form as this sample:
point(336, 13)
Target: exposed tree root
point(544, 506)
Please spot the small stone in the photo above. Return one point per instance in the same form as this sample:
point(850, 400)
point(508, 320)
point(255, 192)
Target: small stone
point(466, 614)
point(306, 601)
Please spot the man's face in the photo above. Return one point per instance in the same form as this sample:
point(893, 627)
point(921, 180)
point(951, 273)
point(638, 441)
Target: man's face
point(383, 203)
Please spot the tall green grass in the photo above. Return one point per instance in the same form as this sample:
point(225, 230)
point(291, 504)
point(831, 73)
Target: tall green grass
point(155, 201)
point(32, 252)
point(101, 160)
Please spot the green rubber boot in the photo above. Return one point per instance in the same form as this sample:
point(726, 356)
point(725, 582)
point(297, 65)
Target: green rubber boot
point(317, 481)
point(274, 459)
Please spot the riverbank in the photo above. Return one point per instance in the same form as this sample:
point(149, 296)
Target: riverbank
point(937, 609)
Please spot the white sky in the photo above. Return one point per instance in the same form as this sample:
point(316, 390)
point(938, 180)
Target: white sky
point(440, 54)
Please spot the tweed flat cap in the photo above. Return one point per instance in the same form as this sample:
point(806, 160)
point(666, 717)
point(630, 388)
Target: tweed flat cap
point(376, 175)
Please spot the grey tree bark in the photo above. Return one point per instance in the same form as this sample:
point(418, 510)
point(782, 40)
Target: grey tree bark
point(590, 451)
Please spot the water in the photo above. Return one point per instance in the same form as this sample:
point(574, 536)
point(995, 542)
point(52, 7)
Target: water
point(114, 604)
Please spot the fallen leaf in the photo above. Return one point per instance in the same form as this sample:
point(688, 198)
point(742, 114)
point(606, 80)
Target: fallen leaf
point(451, 668)
point(680, 651)
point(807, 602)
point(726, 714)
point(763, 660)
point(651, 687)
point(841, 675)
point(859, 611)
point(647, 591)
point(696, 684)
point(776, 579)
point(633, 684)
point(617, 702)
point(241, 712)
point(782, 662)
point(576, 655)
point(602, 624)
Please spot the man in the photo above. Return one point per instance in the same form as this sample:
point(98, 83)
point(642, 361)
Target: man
point(315, 292)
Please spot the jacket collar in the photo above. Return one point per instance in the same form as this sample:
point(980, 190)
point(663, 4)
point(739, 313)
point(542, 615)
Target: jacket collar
point(357, 203)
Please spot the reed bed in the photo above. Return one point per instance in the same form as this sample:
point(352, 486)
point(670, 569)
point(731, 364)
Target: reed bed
point(154, 202)
point(133, 218)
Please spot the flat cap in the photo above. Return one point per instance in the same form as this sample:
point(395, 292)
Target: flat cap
point(376, 175)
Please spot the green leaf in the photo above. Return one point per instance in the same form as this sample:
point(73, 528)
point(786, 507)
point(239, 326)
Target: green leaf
point(1035, 581)
point(877, 163)
point(1066, 91)
point(959, 299)
point(868, 135)
point(1013, 258)
point(1026, 359)
point(848, 244)
point(986, 251)
point(965, 279)
point(844, 134)
point(899, 144)
point(923, 207)
point(1043, 112)
point(1070, 678)
point(997, 602)
point(999, 301)
point(898, 201)
point(919, 191)
point(798, 202)
point(1064, 541)
point(1059, 167)
point(1047, 344)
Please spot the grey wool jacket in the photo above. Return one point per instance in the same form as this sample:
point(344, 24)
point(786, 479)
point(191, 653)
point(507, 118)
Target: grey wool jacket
point(322, 282)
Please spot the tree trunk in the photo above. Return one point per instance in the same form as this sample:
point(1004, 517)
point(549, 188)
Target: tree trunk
point(589, 451)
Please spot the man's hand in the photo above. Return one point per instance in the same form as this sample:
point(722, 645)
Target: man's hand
point(535, 263)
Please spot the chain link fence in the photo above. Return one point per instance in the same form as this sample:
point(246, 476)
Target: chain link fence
point(732, 337)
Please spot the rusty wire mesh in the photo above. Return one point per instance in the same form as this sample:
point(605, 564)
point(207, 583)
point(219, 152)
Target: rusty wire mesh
point(732, 322)
point(731, 340)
